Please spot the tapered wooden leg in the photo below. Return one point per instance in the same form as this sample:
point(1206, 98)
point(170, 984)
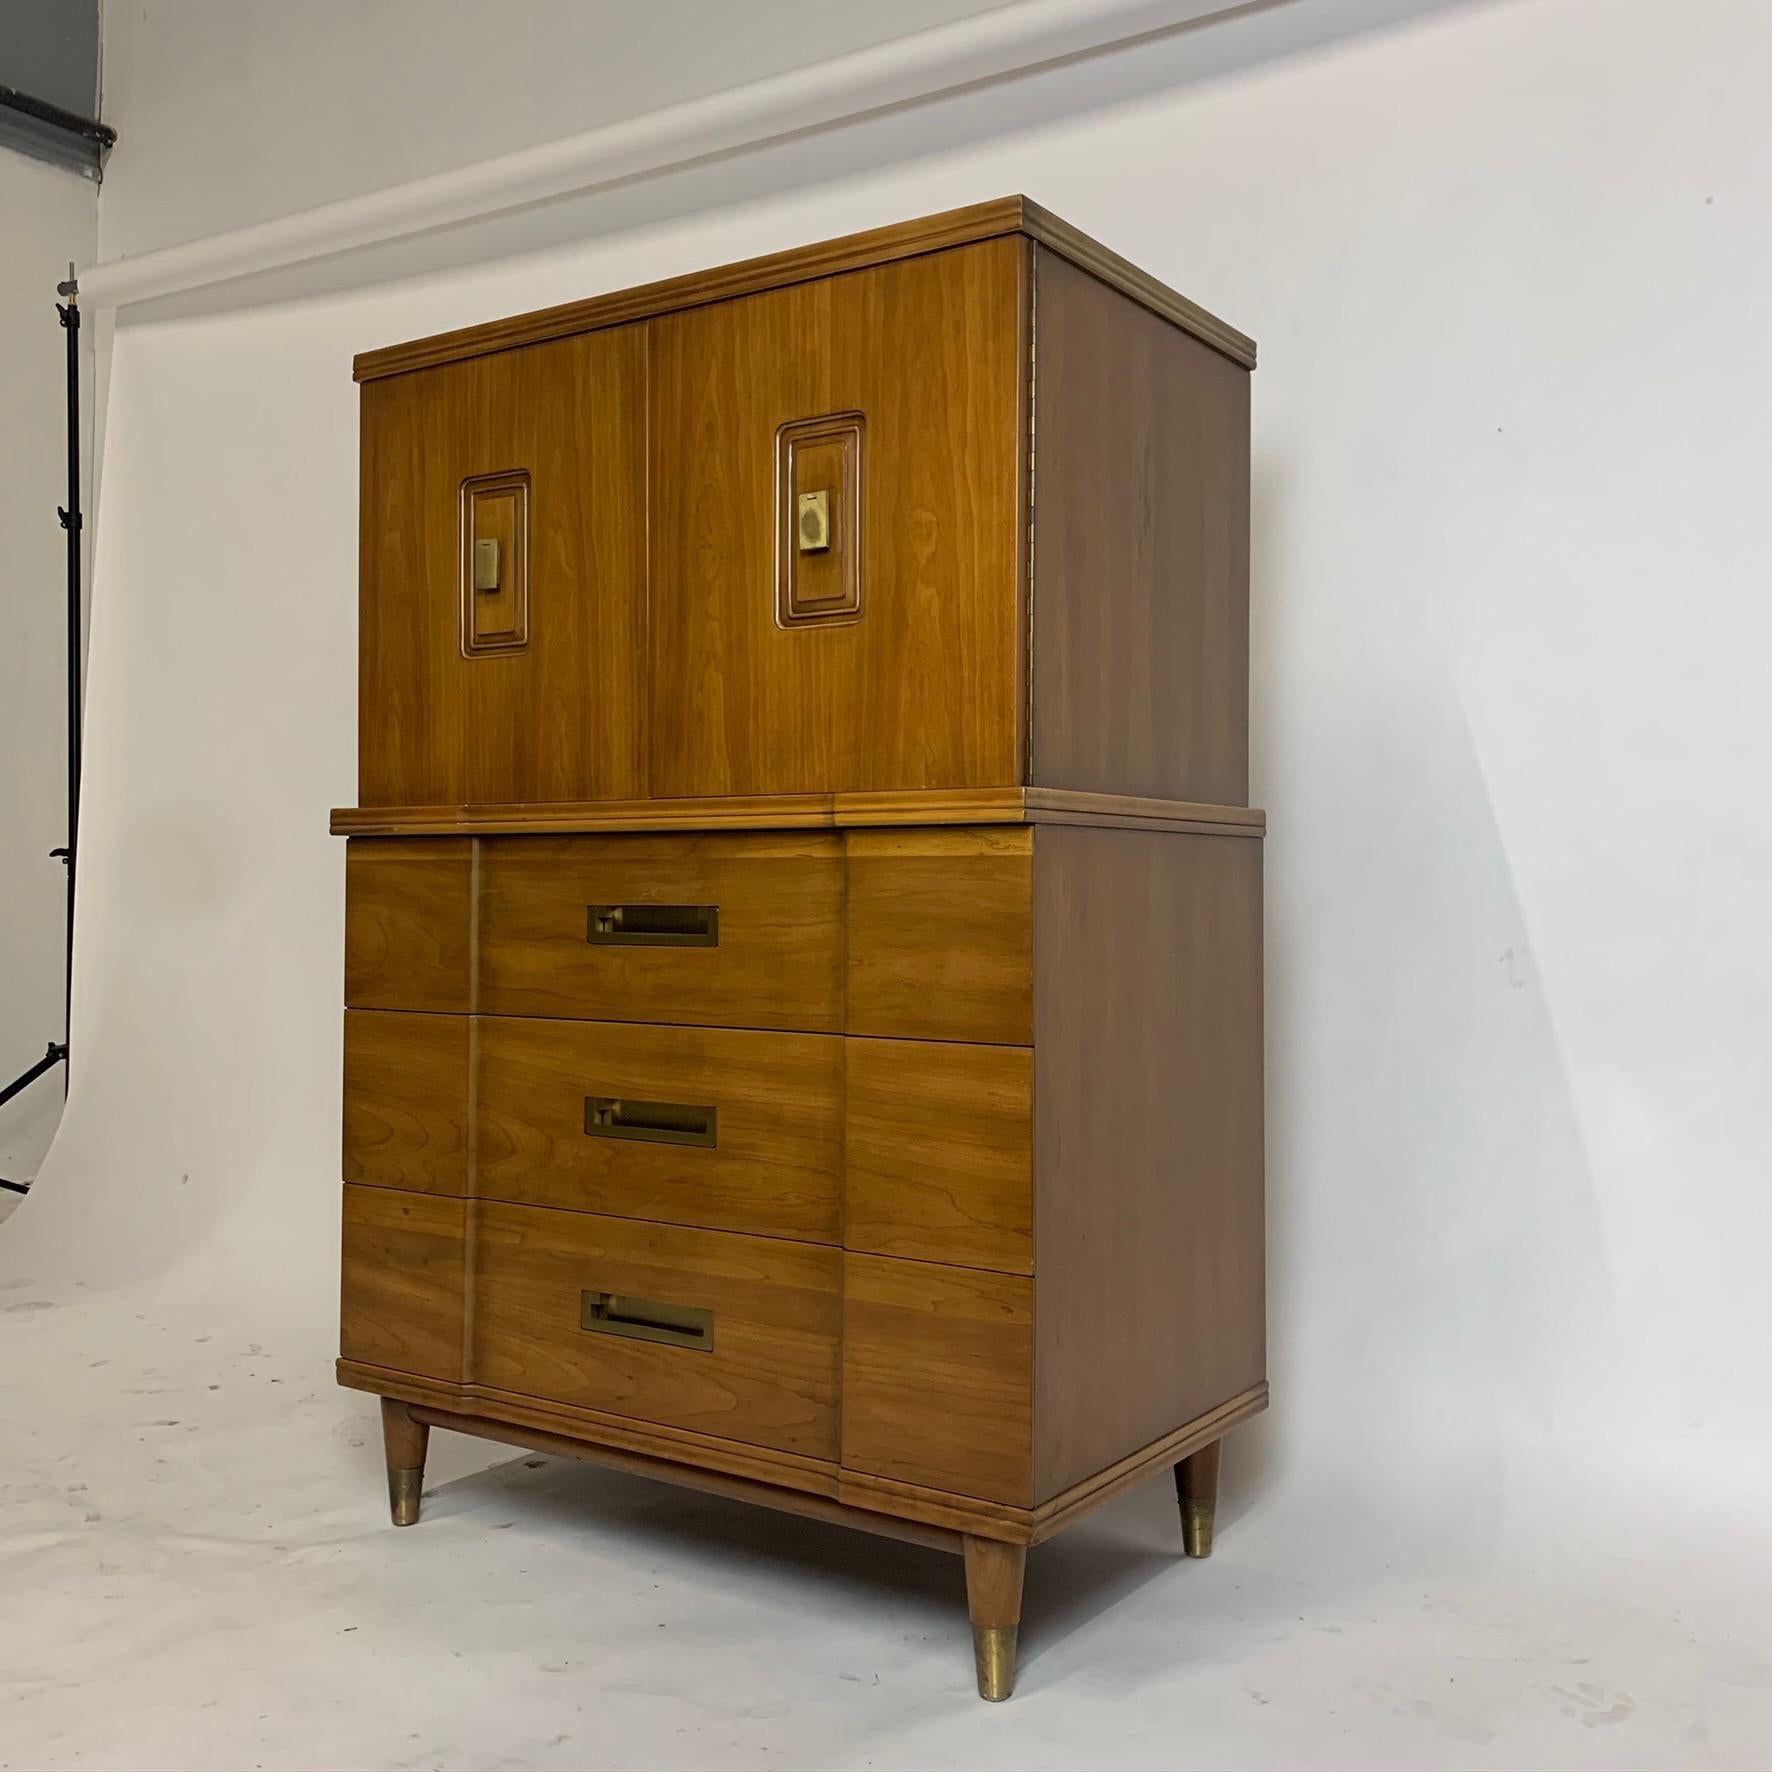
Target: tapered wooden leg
point(406, 1441)
point(1196, 1488)
point(993, 1602)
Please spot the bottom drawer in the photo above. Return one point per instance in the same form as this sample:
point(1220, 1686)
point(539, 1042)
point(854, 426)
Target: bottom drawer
point(710, 1331)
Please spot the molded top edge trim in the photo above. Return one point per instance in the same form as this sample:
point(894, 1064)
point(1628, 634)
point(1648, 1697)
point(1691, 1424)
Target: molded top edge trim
point(801, 264)
point(800, 812)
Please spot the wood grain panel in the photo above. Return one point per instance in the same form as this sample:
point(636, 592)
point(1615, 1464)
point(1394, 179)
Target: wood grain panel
point(770, 1377)
point(940, 934)
point(940, 686)
point(406, 1101)
point(938, 1152)
point(937, 1376)
point(739, 705)
point(926, 688)
point(1147, 1139)
point(1141, 551)
point(772, 1171)
point(408, 916)
point(564, 717)
point(778, 960)
point(799, 264)
point(401, 1286)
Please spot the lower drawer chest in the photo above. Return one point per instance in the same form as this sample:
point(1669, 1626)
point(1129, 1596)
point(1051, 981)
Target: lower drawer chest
point(905, 1176)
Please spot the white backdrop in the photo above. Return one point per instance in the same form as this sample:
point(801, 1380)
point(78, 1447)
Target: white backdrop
point(1510, 626)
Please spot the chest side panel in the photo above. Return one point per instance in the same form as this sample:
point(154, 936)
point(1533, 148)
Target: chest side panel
point(1141, 550)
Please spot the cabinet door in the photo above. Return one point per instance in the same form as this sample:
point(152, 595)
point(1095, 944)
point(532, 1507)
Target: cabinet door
point(875, 641)
point(513, 669)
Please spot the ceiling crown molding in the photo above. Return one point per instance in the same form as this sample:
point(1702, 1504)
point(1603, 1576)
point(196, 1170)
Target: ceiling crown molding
point(987, 48)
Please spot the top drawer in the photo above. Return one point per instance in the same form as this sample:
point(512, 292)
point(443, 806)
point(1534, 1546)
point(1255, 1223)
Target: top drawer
point(898, 934)
point(739, 930)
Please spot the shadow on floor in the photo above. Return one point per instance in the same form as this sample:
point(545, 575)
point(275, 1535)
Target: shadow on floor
point(1072, 1580)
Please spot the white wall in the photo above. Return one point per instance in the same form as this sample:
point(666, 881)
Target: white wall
point(230, 113)
point(48, 218)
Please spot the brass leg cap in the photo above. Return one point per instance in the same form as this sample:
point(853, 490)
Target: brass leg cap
point(1196, 1528)
point(993, 1649)
point(404, 1489)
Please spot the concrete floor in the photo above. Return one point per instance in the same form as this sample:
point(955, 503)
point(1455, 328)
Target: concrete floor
point(196, 1573)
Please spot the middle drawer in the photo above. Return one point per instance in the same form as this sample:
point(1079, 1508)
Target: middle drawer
point(728, 1129)
point(910, 1148)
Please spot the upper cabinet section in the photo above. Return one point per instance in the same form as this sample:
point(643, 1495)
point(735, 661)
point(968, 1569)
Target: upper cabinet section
point(961, 503)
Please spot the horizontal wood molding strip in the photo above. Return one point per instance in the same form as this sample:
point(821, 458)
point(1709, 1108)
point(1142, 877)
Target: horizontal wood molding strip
point(1082, 808)
point(801, 264)
point(801, 812)
point(936, 1507)
point(1052, 1516)
point(1100, 261)
point(688, 1476)
point(478, 1409)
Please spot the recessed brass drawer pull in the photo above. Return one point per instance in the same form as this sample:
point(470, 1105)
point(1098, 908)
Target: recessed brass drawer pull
point(650, 1122)
point(653, 925)
point(646, 1319)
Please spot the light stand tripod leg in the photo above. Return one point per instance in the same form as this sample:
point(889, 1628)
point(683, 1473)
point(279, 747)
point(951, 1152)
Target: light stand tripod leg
point(72, 522)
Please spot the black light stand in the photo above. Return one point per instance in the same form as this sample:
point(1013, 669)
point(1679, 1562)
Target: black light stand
point(57, 1052)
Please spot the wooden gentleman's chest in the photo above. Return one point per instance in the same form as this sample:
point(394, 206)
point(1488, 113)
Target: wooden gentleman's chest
point(803, 949)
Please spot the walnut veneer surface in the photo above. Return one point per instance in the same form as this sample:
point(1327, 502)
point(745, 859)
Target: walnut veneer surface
point(803, 925)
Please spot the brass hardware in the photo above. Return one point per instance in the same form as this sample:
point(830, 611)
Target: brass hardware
point(1196, 1489)
point(812, 524)
point(653, 925)
point(993, 1654)
point(494, 563)
point(1196, 1527)
point(646, 1319)
point(818, 520)
point(404, 1490)
point(486, 565)
point(650, 1122)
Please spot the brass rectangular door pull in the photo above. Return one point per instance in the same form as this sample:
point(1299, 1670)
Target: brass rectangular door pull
point(650, 1122)
point(646, 1319)
point(486, 564)
point(813, 525)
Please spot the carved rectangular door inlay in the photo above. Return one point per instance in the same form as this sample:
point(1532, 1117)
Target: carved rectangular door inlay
point(495, 563)
point(818, 520)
